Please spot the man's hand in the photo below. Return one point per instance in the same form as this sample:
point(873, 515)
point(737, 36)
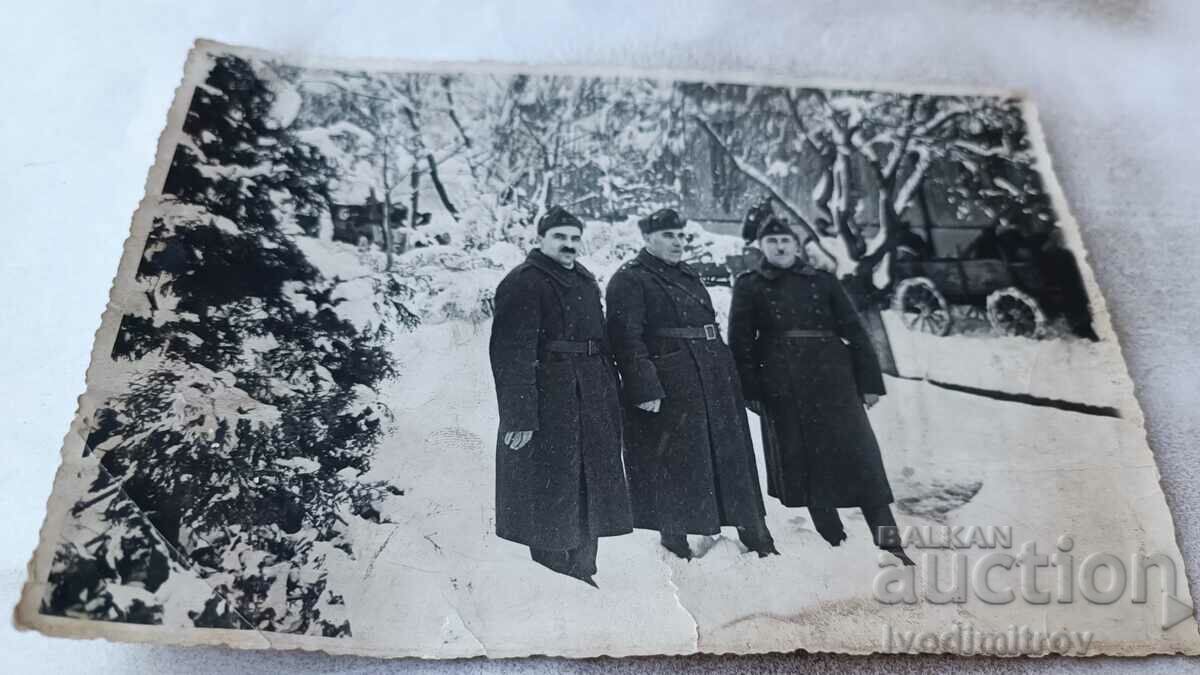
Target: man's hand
point(755, 407)
point(517, 439)
point(870, 399)
point(651, 406)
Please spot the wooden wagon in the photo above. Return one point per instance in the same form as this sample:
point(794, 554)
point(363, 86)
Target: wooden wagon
point(1005, 293)
point(1005, 281)
point(722, 273)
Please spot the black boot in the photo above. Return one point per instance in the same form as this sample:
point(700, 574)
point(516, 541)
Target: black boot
point(579, 562)
point(828, 524)
point(758, 539)
point(883, 531)
point(677, 544)
point(583, 561)
point(899, 553)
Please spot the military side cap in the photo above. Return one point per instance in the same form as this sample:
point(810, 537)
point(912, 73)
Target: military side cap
point(773, 225)
point(662, 219)
point(557, 216)
point(755, 218)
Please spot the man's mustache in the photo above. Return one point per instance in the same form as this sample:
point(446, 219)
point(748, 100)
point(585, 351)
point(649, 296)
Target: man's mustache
point(567, 249)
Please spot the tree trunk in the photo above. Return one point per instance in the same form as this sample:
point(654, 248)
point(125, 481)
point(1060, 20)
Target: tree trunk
point(388, 244)
point(888, 226)
point(415, 183)
point(841, 211)
point(452, 114)
point(927, 216)
point(543, 198)
point(861, 286)
point(441, 189)
point(552, 170)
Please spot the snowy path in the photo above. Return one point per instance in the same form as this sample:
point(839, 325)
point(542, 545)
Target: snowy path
point(440, 576)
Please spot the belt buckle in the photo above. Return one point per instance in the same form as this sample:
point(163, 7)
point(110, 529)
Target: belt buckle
point(710, 331)
point(593, 347)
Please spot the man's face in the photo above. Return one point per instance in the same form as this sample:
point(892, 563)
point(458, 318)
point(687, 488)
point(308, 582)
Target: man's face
point(667, 245)
point(561, 244)
point(779, 249)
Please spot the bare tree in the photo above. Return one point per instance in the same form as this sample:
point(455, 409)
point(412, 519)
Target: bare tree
point(873, 150)
point(376, 123)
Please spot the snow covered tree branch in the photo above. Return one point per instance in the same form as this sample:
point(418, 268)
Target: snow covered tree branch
point(232, 458)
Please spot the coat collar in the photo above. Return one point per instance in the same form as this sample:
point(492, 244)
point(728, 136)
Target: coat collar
point(564, 276)
point(654, 262)
point(678, 275)
point(772, 272)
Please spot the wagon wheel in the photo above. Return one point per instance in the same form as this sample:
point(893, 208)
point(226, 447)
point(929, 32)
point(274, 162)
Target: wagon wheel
point(1014, 312)
point(922, 306)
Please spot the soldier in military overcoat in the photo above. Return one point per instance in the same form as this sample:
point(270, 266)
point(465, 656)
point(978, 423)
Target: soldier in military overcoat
point(560, 483)
point(809, 370)
point(688, 454)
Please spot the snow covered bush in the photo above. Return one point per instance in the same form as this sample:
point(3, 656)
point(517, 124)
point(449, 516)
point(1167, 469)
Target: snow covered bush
point(456, 284)
point(249, 406)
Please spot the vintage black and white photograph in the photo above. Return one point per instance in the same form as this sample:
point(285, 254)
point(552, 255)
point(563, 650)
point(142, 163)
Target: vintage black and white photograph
point(441, 360)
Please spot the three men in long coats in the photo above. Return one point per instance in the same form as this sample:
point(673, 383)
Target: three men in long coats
point(560, 483)
point(688, 455)
point(808, 369)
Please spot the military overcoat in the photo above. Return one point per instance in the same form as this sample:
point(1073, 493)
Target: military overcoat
point(802, 351)
point(691, 465)
point(568, 483)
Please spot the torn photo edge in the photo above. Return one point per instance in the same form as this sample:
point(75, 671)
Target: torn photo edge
point(27, 615)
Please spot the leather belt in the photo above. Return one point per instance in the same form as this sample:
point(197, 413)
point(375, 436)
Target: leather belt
point(801, 333)
point(588, 347)
point(708, 331)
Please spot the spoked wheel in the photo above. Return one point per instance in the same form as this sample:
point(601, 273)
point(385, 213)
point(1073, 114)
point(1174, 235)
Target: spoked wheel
point(1013, 312)
point(922, 307)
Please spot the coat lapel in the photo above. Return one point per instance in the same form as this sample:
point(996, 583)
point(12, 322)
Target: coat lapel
point(562, 278)
point(560, 274)
point(663, 272)
point(771, 272)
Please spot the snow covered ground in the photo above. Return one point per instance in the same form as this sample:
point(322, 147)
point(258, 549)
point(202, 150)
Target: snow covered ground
point(439, 575)
point(1066, 369)
point(436, 581)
